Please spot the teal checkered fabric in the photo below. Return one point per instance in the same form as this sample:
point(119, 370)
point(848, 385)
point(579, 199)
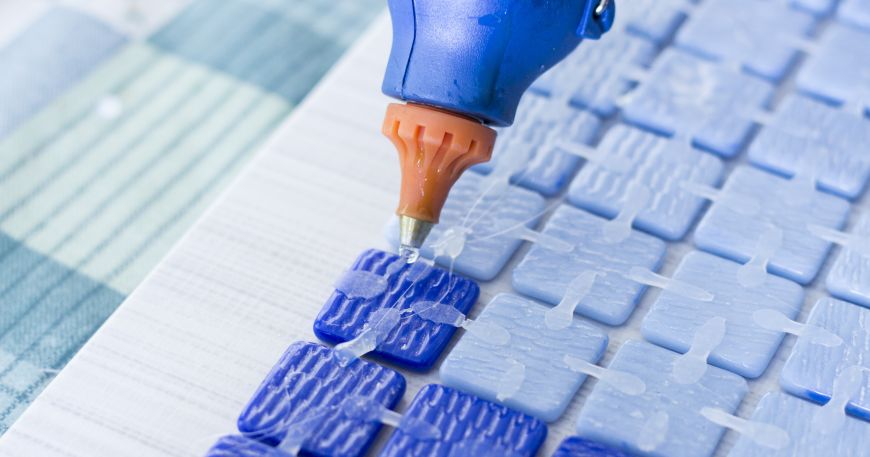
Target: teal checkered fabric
point(110, 147)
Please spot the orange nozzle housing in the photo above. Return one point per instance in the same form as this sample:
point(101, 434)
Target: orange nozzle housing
point(435, 147)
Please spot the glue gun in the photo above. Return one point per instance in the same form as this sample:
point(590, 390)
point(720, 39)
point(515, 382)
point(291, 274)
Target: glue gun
point(461, 66)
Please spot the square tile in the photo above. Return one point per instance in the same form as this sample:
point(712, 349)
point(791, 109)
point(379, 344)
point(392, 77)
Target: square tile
point(753, 34)
point(379, 280)
point(578, 447)
point(468, 425)
point(687, 96)
point(479, 365)
point(305, 390)
point(546, 273)
point(795, 417)
point(596, 74)
point(654, 20)
point(840, 71)
point(481, 220)
point(811, 138)
point(239, 446)
point(665, 420)
point(662, 165)
point(525, 150)
point(747, 348)
point(849, 277)
point(784, 205)
point(812, 368)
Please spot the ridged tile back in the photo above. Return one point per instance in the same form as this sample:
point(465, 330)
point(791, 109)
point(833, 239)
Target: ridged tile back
point(414, 342)
point(308, 384)
point(469, 427)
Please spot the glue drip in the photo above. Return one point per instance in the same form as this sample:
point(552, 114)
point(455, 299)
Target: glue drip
point(858, 244)
point(364, 409)
point(361, 284)
point(619, 229)
point(690, 367)
point(511, 381)
point(771, 319)
point(626, 383)
point(451, 243)
point(561, 316)
point(297, 433)
point(550, 242)
point(832, 416)
point(754, 272)
point(409, 253)
point(652, 279)
point(654, 432)
point(767, 435)
point(381, 322)
point(440, 313)
point(740, 204)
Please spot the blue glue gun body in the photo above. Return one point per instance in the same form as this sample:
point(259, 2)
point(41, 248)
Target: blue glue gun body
point(478, 57)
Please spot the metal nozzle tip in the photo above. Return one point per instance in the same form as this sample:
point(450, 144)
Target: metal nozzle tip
point(412, 234)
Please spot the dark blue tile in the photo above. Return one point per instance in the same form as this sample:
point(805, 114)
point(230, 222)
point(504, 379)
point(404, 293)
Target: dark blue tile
point(578, 447)
point(414, 342)
point(301, 399)
point(239, 446)
point(468, 425)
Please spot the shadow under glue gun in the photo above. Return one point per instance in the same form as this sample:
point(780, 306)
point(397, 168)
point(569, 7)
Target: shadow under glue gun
point(462, 66)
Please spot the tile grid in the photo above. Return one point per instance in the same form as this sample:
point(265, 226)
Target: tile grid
point(676, 251)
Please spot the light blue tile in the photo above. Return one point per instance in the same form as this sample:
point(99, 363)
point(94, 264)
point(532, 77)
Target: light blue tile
point(811, 138)
point(746, 348)
point(490, 225)
point(595, 74)
point(654, 20)
point(781, 204)
point(665, 420)
point(856, 12)
point(479, 364)
point(630, 156)
point(849, 277)
point(811, 368)
point(686, 96)
point(754, 34)
point(815, 7)
point(840, 70)
point(795, 417)
point(546, 273)
point(526, 152)
point(44, 61)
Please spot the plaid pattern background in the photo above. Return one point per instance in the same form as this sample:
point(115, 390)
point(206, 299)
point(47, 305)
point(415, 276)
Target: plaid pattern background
point(119, 122)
